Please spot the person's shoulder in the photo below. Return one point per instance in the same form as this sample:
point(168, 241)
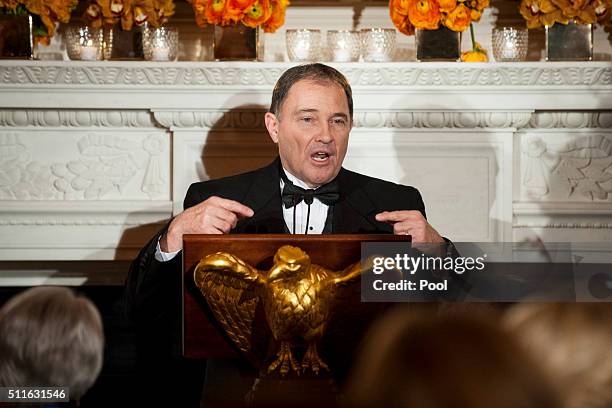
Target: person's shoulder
point(376, 185)
point(383, 195)
point(227, 182)
point(230, 187)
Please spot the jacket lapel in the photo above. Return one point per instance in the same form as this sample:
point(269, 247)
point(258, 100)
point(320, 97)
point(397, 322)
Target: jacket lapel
point(354, 213)
point(263, 198)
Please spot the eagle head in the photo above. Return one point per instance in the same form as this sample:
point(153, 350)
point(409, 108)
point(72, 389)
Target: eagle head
point(288, 262)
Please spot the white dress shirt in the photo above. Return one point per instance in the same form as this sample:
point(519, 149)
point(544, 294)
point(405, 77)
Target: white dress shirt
point(318, 211)
point(316, 223)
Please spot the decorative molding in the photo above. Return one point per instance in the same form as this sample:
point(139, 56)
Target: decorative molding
point(563, 208)
point(571, 120)
point(442, 119)
point(41, 220)
point(563, 215)
point(88, 213)
point(75, 118)
point(105, 164)
point(111, 75)
point(563, 225)
point(493, 75)
point(212, 74)
point(254, 119)
point(583, 166)
point(218, 119)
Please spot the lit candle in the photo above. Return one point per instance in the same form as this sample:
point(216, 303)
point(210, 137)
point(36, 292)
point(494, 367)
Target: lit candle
point(341, 52)
point(89, 52)
point(160, 54)
point(378, 55)
point(342, 55)
point(510, 50)
point(302, 50)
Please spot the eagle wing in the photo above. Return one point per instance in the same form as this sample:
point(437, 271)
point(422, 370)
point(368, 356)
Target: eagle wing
point(352, 272)
point(230, 286)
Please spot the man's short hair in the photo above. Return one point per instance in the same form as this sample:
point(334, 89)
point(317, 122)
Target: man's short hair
point(312, 72)
point(50, 337)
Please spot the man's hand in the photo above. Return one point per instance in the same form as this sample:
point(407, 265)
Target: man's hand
point(410, 222)
point(214, 215)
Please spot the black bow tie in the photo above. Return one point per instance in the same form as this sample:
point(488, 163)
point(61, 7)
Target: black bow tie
point(292, 195)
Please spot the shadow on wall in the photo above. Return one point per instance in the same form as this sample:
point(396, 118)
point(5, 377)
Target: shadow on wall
point(458, 181)
point(236, 143)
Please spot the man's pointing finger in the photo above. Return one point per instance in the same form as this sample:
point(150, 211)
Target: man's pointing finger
point(235, 207)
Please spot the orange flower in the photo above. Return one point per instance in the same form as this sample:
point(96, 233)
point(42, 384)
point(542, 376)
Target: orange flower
point(447, 5)
point(93, 11)
point(214, 11)
point(140, 15)
point(474, 56)
point(257, 14)
point(541, 12)
point(603, 11)
point(235, 9)
point(458, 19)
point(239, 4)
point(277, 19)
point(9, 4)
point(116, 7)
point(165, 9)
point(425, 14)
point(199, 9)
point(401, 22)
point(477, 4)
point(400, 6)
point(42, 40)
point(475, 15)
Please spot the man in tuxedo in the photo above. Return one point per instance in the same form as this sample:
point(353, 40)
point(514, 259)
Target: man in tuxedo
point(304, 191)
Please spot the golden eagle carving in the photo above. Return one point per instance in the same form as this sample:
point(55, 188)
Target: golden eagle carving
point(297, 299)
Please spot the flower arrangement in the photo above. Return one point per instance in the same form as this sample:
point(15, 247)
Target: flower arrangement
point(540, 13)
point(46, 14)
point(270, 14)
point(129, 12)
point(430, 14)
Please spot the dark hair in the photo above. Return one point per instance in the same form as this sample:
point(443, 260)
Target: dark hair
point(313, 72)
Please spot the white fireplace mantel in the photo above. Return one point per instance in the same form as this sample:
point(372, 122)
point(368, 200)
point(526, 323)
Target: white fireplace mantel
point(96, 156)
point(203, 85)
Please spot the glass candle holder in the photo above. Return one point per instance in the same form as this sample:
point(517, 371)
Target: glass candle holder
point(378, 44)
point(510, 44)
point(343, 45)
point(160, 44)
point(569, 42)
point(303, 44)
point(84, 43)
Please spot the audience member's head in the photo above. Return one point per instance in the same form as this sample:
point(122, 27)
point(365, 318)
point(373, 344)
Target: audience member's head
point(574, 343)
point(444, 360)
point(50, 337)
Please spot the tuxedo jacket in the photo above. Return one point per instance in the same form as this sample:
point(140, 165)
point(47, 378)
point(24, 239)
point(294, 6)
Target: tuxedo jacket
point(153, 288)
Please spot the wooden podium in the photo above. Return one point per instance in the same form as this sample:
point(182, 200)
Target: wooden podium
point(204, 338)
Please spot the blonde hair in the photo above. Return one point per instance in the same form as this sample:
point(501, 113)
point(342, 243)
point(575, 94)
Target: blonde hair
point(574, 343)
point(50, 337)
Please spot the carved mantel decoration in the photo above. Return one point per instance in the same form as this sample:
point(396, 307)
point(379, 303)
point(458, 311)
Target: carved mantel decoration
point(114, 146)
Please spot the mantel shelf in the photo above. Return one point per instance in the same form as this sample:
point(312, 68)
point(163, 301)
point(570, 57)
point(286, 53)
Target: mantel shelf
point(397, 85)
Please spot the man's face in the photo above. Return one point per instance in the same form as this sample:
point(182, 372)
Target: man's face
point(312, 133)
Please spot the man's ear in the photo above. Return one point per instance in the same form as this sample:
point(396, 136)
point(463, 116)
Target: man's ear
point(272, 126)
